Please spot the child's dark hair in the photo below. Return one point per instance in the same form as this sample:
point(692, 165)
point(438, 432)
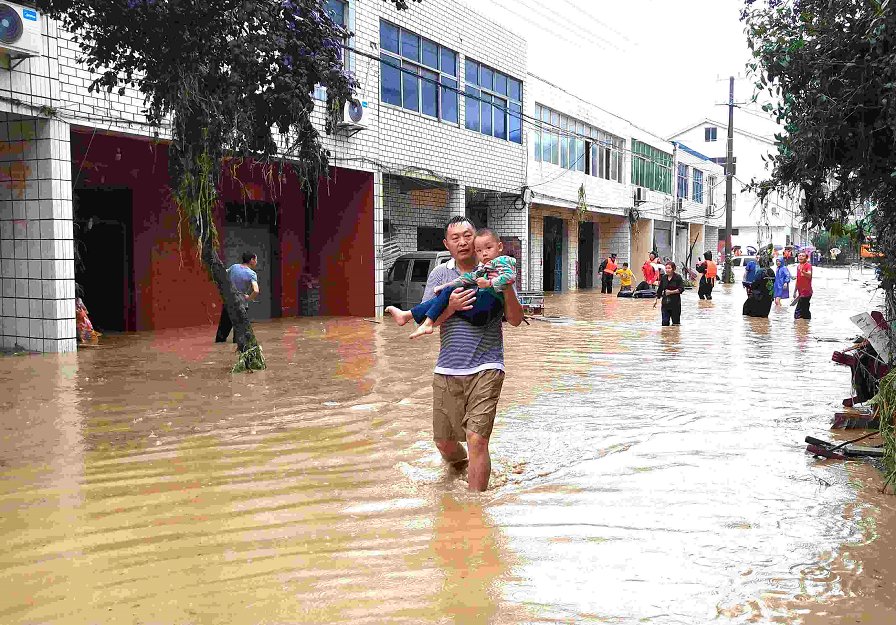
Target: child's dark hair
point(625, 264)
point(488, 232)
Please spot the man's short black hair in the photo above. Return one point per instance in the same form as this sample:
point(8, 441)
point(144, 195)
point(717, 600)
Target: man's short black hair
point(488, 232)
point(707, 255)
point(458, 219)
point(247, 257)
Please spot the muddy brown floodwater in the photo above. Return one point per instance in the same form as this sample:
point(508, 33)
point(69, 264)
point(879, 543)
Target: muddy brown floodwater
point(641, 474)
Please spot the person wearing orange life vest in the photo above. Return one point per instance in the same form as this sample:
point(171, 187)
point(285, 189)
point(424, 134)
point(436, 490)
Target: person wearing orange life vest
point(608, 267)
point(708, 279)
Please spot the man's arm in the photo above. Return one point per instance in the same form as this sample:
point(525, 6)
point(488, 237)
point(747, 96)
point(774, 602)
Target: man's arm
point(251, 296)
point(513, 310)
point(460, 299)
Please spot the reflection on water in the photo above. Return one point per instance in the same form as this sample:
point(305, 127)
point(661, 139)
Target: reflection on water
point(640, 474)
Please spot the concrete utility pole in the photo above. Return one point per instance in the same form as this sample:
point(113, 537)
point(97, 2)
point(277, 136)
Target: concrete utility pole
point(729, 181)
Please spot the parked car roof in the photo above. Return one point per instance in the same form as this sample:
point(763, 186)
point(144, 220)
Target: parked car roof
point(426, 254)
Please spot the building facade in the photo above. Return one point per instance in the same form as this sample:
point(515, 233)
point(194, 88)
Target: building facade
point(598, 184)
point(441, 100)
point(754, 223)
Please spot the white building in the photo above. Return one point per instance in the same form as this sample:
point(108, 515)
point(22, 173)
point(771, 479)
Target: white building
point(777, 222)
point(442, 90)
point(599, 184)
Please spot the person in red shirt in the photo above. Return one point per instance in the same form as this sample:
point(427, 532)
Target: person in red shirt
point(803, 292)
point(650, 274)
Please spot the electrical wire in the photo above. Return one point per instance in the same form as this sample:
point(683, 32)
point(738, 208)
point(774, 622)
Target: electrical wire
point(581, 31)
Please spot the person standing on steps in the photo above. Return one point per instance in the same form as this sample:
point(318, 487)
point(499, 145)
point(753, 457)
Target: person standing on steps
point(469, 372)
point(245, 282)
point(608, 268)
point(669, 290)
point(803, 292)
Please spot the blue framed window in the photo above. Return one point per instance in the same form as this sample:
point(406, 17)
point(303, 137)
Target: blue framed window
point(496, 105)
point(698, 186)
point(683, 181)
point(417, 74)
point(581, 147)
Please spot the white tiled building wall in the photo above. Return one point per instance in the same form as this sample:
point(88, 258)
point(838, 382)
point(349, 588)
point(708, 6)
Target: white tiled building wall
point(37, 286)
point(408, 208)
point(407, 143)
point(711, 241)
point(553, 182)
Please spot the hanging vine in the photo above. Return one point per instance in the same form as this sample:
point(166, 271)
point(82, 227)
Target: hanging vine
point(582, 204)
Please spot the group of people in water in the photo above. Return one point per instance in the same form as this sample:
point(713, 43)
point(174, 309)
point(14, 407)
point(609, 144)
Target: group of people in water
point(662, 282)
point(765, 285)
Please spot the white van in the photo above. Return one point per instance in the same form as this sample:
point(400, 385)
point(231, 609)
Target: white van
point(407, 278)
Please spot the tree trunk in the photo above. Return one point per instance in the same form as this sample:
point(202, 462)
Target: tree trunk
point(234, 302)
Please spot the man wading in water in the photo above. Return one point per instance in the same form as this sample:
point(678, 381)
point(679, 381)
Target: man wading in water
point(245, 281)
point(469, 371)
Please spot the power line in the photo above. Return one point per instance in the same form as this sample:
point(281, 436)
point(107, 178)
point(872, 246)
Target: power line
point(593, 17)
point(593, 38)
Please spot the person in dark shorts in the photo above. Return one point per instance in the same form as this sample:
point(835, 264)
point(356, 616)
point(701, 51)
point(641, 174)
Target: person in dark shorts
point(669, 290)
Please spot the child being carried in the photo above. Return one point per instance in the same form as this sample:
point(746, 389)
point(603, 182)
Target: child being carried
point(489, 302)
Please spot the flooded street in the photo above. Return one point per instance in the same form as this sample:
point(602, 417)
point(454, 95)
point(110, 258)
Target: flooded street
point(640, 474)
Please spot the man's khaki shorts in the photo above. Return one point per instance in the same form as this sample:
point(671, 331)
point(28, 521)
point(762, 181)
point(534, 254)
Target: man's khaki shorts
point(465, 402)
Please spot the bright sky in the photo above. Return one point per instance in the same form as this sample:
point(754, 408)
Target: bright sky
point(661, 64)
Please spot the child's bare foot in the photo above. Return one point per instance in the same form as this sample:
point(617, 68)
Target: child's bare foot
point(424, 328)
point(401, 316)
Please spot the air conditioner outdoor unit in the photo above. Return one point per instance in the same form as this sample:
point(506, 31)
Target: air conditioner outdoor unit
point(19, 30)
point(640, 195)
point(353, 112)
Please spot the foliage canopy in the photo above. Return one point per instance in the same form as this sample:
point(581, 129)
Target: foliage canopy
point(830, 68)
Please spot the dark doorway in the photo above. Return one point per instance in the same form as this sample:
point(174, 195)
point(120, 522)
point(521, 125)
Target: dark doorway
point(429, 239)
point(586, 255)
point(104, 236)
point(553, 254)
point(662, 238)
point(478, 215)
point(251, 226)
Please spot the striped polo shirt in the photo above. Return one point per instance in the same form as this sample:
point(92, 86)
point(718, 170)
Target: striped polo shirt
point(465, 348)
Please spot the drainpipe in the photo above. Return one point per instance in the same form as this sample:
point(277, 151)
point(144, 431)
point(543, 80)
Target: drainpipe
point(675, 199)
